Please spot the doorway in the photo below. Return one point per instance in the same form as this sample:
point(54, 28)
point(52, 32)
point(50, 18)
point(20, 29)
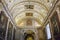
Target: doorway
point(29, 36)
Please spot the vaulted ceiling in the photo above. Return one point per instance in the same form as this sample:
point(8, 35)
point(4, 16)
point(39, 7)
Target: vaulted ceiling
point(38, 8)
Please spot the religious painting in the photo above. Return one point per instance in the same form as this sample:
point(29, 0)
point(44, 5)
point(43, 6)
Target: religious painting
point(54, 21)
point(29, 6)
point(29, 14)
point(29, 22)
point(3, 24)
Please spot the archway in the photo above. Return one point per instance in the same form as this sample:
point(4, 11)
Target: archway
point(29, 35)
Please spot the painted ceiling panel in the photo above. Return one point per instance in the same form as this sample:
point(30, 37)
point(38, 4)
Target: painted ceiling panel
point(40, 9)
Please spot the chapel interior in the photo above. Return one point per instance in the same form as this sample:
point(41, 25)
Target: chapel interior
point(29, 19)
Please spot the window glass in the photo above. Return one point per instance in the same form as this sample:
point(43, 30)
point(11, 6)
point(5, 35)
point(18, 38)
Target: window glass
point(48, 32)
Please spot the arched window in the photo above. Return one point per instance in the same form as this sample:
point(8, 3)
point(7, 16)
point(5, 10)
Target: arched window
point(48, 31)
